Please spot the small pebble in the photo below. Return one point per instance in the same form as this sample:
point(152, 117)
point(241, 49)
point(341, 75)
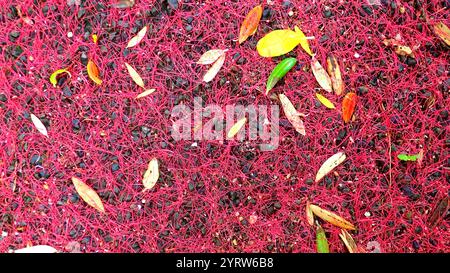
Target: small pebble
point(367, 214)
point(70, 34)
point(357, 55)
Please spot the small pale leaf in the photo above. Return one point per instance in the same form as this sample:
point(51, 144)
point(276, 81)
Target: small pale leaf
point(151, 175)
point(330, 164)
point(292, 114)
point(135, 76)
point(309, 214)
point(327, 103)
point(39, 125)
point(321, 75)
point(214, 69)
point(211, 56)
point(37, 249)
point(331, 217)
point(88, 194)
point(138, 38)
point(145, 93)
point(236, 127)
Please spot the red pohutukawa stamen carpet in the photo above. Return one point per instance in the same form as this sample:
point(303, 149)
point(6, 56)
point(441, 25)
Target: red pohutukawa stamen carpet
point(221, 196)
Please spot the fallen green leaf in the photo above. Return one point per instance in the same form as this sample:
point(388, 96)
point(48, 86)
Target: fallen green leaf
point(279, 71)
point(405, 157)
point(321, 241)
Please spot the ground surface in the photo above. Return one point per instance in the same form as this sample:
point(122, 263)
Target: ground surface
point(207, 193)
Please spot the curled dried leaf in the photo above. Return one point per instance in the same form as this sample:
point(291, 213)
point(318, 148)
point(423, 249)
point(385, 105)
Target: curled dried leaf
point(330, 164)
point(348, 106)
point(214, 69)
point(88, 194)
point(292, 114)
point(327, 103)
point(151, 175)
point(250, 23)
point(335, 75)
point(211, 56)
point(439, 212)
point(348, 241)
point(321, 75)
point(145, 93)
point(331, 217)
point(54, 76)
point(135, 76)
point(443, 32)
point(93, 72)
point(236, 127)
point(138, 37)
point(39, 125)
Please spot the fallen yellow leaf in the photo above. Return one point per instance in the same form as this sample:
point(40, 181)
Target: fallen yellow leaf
point(236, 127)
point(331, 217)
point(443, 32)
point(321, 75)
point(329, 165)
point(145, 93)
point(214, 69)
point(292, 114)
point(211, 56)
point(135, 76)
point(138, 38)
point(328, 104)
point(151, 175)
point(348, 241)
point(335, 75)
point(88, 194)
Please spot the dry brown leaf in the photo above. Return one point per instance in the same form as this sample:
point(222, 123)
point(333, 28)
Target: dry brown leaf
point(88, 194)
point(292, 114)
point(443, 32)
point(236, 127)
point(335, 74)
point(321, 75)
point(329, 165)
point(348, 241)
point(145, 93)
point(331, 217)
point(135, 76)
point(138, 38)
point(39, 125)
point(211, 56)
point(212, 72)
point(309, 214)
point(151, 175)
point(93, 72)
